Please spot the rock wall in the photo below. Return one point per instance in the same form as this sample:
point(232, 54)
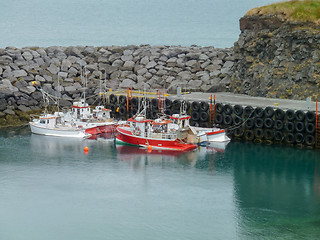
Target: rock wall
point(277, 59)
point(193, 68)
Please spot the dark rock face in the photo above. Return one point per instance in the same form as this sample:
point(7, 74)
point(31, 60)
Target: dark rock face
point(277, 59)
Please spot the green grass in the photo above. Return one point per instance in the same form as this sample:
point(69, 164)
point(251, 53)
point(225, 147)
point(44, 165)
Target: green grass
point(294, 10)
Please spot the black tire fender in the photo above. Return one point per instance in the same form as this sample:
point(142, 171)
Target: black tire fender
point(204, 106)
point(238, 110)
point(279, 114)
point(219, 107)
point(269, 112)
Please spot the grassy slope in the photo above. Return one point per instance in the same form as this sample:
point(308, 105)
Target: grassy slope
point(294, 10)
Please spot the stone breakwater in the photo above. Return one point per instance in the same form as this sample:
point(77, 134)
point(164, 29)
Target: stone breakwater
point(61, 71)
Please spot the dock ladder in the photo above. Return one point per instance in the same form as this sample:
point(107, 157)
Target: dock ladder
point(317, 142)
point(212, 109)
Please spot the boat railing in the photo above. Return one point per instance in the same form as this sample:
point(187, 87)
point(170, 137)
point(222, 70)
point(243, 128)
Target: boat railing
point(164, 135)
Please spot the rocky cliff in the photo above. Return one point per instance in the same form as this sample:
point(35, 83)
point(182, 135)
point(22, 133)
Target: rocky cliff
point(277, 58)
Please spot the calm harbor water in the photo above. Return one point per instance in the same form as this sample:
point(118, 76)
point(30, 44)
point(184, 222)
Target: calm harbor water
point(122, 22)
point(50, 189)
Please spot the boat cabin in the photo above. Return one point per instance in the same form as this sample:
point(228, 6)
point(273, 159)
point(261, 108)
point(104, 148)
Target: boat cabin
point(47, 121)
point(81, 110)
point(101, 113)
point(140, 126)
point(181, 120)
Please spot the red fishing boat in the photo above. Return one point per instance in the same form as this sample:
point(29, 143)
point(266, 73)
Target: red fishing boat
point(158, 134)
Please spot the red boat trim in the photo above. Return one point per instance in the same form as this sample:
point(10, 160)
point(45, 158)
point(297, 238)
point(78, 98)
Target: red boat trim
point(80, 107)
point(143, 121)
point(180, 118)
point(217, 132)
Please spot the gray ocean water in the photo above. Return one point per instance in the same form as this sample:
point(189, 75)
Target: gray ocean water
point(122, 22)
point(50, 189)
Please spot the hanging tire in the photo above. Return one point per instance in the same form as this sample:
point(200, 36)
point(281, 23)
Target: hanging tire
point(204, 106)
point(289, 138)
point(289, 126)
point(237, 120)
point(310, 128)
point(299, 115)
point(176, 104)
point(290, 115)
point(113, 108)
point(268, 123)
point(194, 124)
point(227, 120)
point(247, 111)
point(310, 116)
point(195, 116)
point(278, 125)
point(249, 123)
point(249, 135)
point(258, 133)
point(218, 118)
point(122, 110)
point(122, 99)
point(299, 127)
point(113, 99)
point(168, 112)
point(298, 138)
point(134, 102)
point(258, 112)
point(269, 112)
point(279, 114)
point(134, 110)
point(195, 106)
point(309, 140)
point(155, 103)
point(219, 107)
point(168, 103)
point(204, 124)
point(204, 116)
point(258, 123)
point(238, 132)
point(278, 136)
point(238, 110)
point(227, 109)
point(269, 134)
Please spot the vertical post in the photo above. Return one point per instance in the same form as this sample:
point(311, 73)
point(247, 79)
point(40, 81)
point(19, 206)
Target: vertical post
point(159, 102)
point(317, 123)
point(128, 95)
point(211, 112)
point(214, 106)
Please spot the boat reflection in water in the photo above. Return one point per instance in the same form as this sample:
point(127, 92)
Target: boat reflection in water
point(142, 156)
point(201, 158)
point(51, 146)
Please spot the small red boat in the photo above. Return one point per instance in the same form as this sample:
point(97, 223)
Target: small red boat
point(158, 134)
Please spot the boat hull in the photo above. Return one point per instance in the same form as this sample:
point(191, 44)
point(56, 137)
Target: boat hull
point(61, 132)
point(126, 137)
point(97, 129)
point(205, 136)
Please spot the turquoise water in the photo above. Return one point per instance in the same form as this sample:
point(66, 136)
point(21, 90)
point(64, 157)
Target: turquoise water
point(122, 22)
point(51, 189)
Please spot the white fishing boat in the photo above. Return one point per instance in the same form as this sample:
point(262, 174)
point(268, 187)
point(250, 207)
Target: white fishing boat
point(211, 135)
point(54, 125)
point(204, 135)
point(94, 122)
